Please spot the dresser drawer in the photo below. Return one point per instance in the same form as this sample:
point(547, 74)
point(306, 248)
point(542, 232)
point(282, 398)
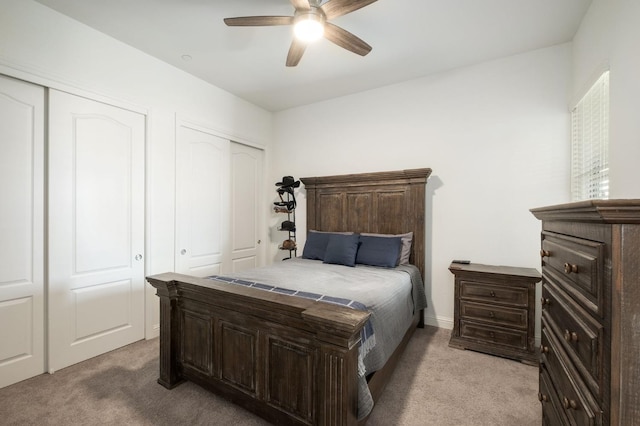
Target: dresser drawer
point(577, 403)
point(482, 292)
point(495, 335)
point(581, 336)
point(552, 412)
point(498, 315)
point(578, 266)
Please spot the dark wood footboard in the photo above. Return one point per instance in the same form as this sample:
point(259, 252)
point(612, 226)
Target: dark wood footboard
point(289, 360)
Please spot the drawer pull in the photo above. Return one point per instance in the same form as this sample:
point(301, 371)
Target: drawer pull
point(544, 302)
point(544, 349)
point(491, 314)
point(545, 253)
point(569, 403)
point(569, 268)
point(542, 397)
point(570, 336)
point(492, 294)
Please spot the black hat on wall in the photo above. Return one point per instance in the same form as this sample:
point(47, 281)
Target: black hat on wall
point(287, 182)
point(288, 225)
point(289, 205)
point(284, 189)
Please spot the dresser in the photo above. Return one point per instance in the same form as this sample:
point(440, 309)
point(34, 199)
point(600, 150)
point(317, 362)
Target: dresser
point(494, 310)
point(590, 342)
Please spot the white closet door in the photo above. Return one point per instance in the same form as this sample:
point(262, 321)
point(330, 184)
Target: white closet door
point(96, 228)
point(247, 207)
point(21, 231)
point(202, 197)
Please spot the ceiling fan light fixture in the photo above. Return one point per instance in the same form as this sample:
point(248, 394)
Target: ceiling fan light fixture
point(311, 20)
point(308, 27)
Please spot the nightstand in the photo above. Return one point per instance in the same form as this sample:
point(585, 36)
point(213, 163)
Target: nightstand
point(494, 310)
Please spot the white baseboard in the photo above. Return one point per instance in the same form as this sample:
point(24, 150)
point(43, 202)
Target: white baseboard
point(153, 332)
point(440, 322)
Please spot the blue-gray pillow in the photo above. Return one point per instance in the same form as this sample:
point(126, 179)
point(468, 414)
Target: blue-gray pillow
point(379, 251)
point(316, 245)
point(342, 249)
point(407, 239)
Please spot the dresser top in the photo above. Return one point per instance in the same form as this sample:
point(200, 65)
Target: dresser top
point(598, 211)
point(495, 270)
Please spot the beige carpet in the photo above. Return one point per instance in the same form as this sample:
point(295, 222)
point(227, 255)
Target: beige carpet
point(433, 385)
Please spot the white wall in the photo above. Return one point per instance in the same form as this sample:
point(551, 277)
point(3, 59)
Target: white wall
point(495, 134)
point(45, 47)
point(608, 38)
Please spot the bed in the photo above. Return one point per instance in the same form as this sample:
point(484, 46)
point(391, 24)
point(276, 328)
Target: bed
point(293, 360)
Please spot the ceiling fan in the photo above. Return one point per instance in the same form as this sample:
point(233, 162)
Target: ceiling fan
point(311, 21)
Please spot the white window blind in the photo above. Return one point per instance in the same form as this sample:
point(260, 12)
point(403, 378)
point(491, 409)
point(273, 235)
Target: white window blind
point(590, 143)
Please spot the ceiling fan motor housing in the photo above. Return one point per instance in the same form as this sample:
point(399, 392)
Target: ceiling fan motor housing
point(308, 25)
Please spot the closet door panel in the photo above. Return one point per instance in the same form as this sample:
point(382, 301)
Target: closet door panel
point(202, 197)
point(247, 207)
point(96, 228)
point(21, 231)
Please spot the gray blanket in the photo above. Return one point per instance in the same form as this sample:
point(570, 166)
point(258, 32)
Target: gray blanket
point(391, 295)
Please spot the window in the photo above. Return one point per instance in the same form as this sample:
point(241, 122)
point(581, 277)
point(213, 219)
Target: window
point(590, 143)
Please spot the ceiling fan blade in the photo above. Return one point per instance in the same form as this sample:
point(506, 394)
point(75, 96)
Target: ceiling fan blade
point(334, 8)
point(295, 52)
point(345, 39)
point(258, 21)
point(301, 4)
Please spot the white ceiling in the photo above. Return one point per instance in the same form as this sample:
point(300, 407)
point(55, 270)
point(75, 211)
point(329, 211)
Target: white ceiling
point(410, 39)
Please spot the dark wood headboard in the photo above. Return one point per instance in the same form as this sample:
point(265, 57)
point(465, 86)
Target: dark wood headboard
point(383, 202)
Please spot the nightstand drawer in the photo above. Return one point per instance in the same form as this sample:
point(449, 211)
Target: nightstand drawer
point(515, 296)
point(577, 265)
point(494, 335)
point(577, 404)
point(498, 315)
point(581, 336)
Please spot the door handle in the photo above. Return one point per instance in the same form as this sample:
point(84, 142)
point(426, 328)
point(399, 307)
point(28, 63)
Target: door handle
point(138, 257)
